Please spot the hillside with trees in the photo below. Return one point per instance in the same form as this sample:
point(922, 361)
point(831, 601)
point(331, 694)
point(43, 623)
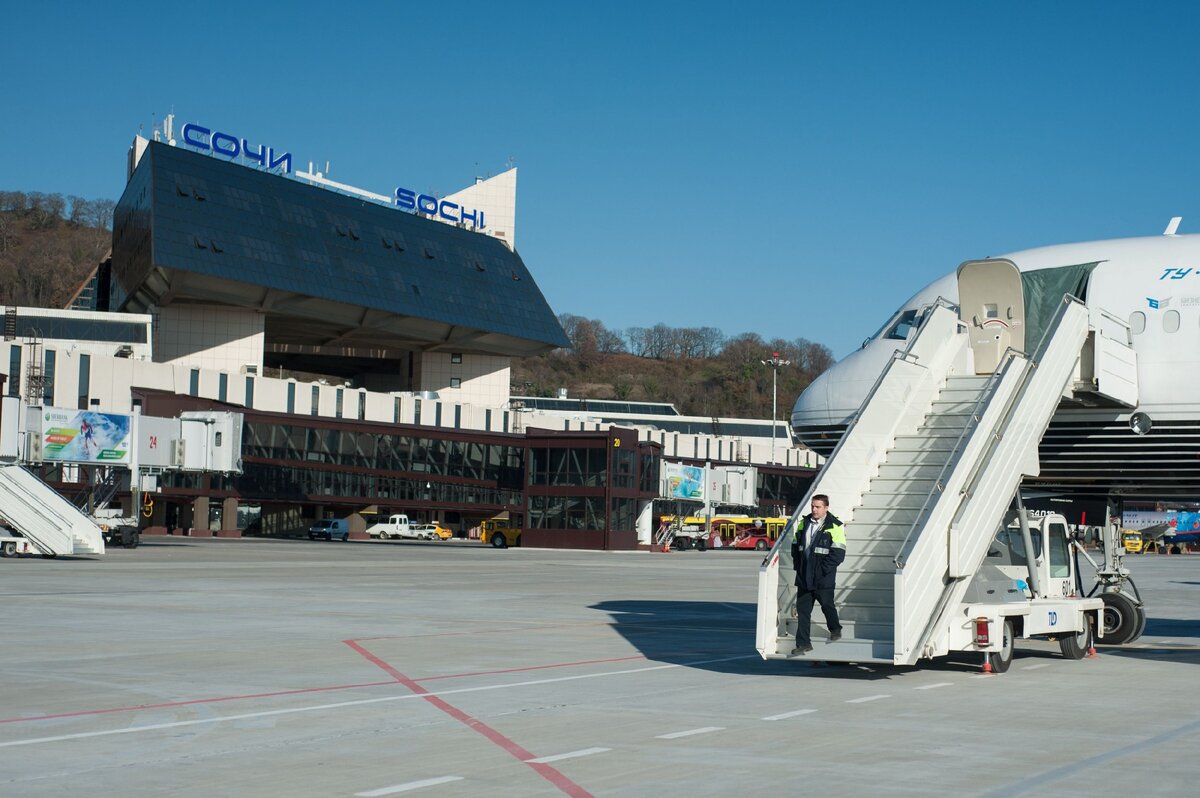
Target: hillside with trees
point(698, 369)
point(50, 243)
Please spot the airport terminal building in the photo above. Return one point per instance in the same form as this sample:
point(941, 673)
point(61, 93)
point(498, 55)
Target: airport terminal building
point(369, 349)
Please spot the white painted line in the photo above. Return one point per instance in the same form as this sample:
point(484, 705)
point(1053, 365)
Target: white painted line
point(541, 760)
point(983, 676)
point(362, 702)
point(786, 715)
point(1035, 666)
point(412, 785)
point(865, 699)
point(689, 732)
point(1165, 642)
point(935, 685)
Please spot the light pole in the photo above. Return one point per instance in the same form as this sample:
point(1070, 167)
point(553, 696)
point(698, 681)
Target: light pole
point(775, 363)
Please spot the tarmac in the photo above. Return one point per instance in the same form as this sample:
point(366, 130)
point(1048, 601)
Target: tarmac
point(211, 667)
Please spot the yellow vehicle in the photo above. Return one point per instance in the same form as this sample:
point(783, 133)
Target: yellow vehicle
point(1134, 543)
point(499, 533)
point(442, 532)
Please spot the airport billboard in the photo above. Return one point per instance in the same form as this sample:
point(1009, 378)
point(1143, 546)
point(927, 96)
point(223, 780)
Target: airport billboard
point(682, 482)
point(85, 436)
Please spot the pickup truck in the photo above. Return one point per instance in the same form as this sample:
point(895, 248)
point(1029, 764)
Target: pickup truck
point(394, 528)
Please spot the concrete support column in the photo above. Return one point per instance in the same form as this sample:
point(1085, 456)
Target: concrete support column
point(199, 527)
point(229, 527)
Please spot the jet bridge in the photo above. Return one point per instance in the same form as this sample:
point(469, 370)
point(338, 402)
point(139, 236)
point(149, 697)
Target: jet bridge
point(923, 477)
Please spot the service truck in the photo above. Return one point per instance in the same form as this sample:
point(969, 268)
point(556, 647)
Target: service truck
point(399, 526)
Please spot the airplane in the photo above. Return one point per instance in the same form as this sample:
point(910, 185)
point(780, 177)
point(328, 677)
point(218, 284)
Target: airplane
point(1147, 290)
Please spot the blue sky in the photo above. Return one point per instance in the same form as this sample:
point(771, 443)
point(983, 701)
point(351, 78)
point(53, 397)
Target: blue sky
point(792, 169)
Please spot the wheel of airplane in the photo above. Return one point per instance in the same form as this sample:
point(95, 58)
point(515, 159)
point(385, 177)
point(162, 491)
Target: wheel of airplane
point(1120, 618)
point(1000, 660)
point(1141, 627)
point(1076, 646)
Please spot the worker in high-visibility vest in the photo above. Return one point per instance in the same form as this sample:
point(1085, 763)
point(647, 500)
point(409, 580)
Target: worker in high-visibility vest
point(818, 548)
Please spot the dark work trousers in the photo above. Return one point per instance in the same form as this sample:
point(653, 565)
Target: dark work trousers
point(804, 607)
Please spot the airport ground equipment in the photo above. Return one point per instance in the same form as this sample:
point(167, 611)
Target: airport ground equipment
point(499, 533)
point(52, 524)
point(126, 455)
point(395, 527)
point(924, 479)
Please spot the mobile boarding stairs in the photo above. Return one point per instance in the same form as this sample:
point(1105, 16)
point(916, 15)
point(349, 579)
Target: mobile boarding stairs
point(928, 468)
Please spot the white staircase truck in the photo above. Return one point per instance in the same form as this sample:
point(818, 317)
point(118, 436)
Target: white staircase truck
point(48, 521)
point(924, 480)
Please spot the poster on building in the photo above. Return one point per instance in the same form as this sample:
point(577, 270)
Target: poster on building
point(85, 436)
point(683, 482)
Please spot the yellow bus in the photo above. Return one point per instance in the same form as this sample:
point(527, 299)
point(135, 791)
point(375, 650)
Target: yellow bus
point(733, 531)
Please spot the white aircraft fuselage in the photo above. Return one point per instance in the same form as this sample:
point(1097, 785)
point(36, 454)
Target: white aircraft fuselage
point(1152, 284)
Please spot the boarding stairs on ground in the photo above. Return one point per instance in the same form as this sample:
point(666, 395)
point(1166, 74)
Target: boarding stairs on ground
point(667, 534)
point(50, 522)
point(921, 480)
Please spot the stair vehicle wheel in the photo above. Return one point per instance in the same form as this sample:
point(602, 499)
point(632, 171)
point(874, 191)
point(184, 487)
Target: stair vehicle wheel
point(701, 544)
point(1000, 660)
point(9, 550)
point(135, 539)
point(1076, 646)
point(761, 545)
point(498, 541)
point(1120, 618)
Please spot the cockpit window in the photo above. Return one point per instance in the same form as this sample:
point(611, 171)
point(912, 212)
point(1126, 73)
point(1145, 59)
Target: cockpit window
point(902, 326)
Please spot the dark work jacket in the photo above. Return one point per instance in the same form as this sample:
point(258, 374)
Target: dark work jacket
point(817, 568)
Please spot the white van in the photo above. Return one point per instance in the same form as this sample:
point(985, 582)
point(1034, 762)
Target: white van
point(330, 529)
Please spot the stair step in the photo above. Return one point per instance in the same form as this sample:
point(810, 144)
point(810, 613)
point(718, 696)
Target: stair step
point(886, 515)
point(954, 405)
point(862, 530)
point(894, 471)
point(939, 423)
point(914, 500)
point(896, 486)
point(922, 443)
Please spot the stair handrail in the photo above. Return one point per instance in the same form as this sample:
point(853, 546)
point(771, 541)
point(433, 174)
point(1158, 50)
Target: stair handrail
point(899, 354)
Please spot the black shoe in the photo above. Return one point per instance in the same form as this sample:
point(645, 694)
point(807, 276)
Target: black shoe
point(800, 651)
point(835, 636)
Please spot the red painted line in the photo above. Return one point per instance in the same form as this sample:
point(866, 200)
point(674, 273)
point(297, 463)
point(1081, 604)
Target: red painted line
point(168, 704)
point(552, 775)
point(530, 668)
point(397, 678)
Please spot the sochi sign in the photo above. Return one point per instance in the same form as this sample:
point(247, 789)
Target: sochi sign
point(442, 209)
point(230, 146)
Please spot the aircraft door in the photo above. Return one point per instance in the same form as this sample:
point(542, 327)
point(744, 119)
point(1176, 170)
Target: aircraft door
point(992, 305)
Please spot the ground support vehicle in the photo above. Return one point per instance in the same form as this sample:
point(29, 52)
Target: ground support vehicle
point(925, 480)
point(118, 530)
point(14, 546)
point(499, 533)
point(393, 527)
